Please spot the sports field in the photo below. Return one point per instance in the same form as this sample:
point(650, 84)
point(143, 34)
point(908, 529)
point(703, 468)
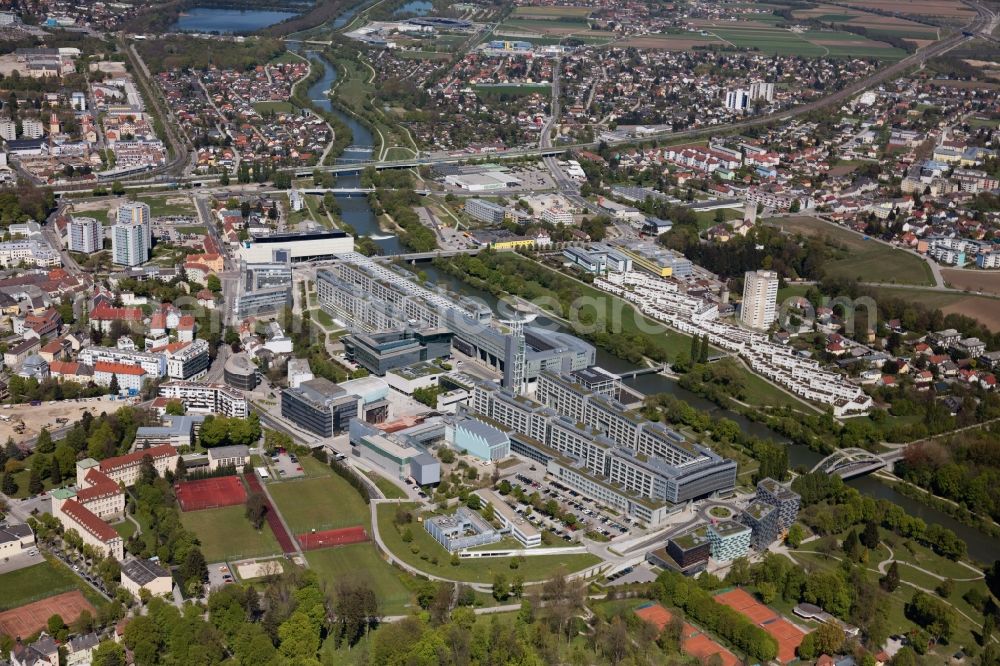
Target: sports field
point(855, 257)
point(31, 618)
point(37, 582)
point(210, 493)
point(362, 562)
point(787, 635)
point(226, 534)
point(693, 641)
point(321, 503)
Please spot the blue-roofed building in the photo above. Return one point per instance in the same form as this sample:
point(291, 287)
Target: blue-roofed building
point(481, 440)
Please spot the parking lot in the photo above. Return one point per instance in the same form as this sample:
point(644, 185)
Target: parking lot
point(25, 558)
point(286, 466)
point(219, 575)
point(590, 517)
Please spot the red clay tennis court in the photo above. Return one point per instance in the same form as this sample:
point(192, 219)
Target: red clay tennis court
point(210, 493)
point(693, 642)
point(788, 635)
point(31, 618)
point(331, 538)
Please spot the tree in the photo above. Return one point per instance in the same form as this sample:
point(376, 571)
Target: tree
point(256, 509)
point(795, 536)
point(113, 387)
point(44, 443)
point(989, 626)
point(890, 581)
point(870, 536)
point(108, 653)
point(213, 283)
point(175, 408)
point(356, 608)
point(945, 588)
point(9, 485)
point(852, 545)
point(193, 568)
point(35, 484)
point(299, 639)
point(117, 188)
point(501, 590)
point(828, 638)
point(56, 627)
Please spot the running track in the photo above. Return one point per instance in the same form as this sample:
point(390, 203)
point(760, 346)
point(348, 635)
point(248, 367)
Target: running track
point(284, 540)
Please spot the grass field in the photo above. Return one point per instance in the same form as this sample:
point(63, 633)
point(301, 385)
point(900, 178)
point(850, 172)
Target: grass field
point(170, 204)
point(864, 260)
point(388, 488)
point(526, 89)
point(226, 534)
point(39, 581)
point(553, 12)
point(276, 107)
point(534, 568)
point(815, 43)
point(322, 502)
point(125, 529)
point(361, 561)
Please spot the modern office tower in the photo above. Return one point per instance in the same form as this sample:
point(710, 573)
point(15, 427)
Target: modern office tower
point(777, 495)
point(85, 234)
point(729, 540)
point(760, 297)
point(135, 212)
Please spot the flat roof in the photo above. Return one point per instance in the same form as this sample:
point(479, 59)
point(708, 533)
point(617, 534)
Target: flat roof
point(508, 514)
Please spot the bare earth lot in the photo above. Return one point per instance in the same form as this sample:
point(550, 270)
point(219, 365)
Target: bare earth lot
point(45, 415)
point(977, 281)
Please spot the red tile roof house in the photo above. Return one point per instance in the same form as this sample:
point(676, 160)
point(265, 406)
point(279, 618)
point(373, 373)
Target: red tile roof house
point(44, 324)
point(103, 316)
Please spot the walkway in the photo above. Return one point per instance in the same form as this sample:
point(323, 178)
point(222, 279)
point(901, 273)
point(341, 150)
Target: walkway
point(274, 518)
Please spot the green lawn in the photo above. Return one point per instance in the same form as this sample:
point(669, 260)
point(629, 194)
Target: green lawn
point(40, 581)
point(126, 529)
point(855, 257)
point(226, 534)
point(201, 231)
point(321, 502)
point(323, 317)
point(763, 393)
point(277, 107)
point(361, 561)
point(169, 204)
point(388, 488)
point(706, 218)
point(534, 568)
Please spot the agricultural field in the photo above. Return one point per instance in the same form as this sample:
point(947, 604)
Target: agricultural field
point(983, 282)
point(874, 24)
point(226, 534)
point(552, 13)
point(814, 43)
point(672, 42)
point(865, 260)
point(950, 10)
point(984, 309)
point(361, 561)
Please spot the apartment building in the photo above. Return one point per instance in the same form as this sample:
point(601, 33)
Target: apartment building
point(511, 521)
point(84, 234)
point(205, 398)
point(188, 360)
point(154, 365)
point(760, 297)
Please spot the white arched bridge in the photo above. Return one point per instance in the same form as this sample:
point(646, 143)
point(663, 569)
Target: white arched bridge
point(852, 462)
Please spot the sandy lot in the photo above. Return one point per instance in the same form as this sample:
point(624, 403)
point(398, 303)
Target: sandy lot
point(249, 570)
point(979, 281)
point(45, 415)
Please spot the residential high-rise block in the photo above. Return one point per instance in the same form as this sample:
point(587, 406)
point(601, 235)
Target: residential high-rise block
point(136, 212)
point(128, 244)
point(84, 234)
point(760, 297)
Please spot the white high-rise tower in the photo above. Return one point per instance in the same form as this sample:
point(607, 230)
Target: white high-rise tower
point(760, 297)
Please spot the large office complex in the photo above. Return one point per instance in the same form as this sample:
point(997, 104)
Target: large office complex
point(381, 352)
point(589, 441)
point(266, 288)
point(485, 211)
point(760, 297)
point(373, 298)
point(84, 234)
point(319, 406)
point(296, 246)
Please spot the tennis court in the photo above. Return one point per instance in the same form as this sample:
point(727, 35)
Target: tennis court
point(210, 493)
point(788, 635)
point(693, 641)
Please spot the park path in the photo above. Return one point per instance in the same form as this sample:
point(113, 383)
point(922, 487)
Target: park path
point(289, 546)
point(974, 622)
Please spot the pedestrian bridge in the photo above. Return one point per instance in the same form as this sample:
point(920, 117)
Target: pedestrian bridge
point(849, 463)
